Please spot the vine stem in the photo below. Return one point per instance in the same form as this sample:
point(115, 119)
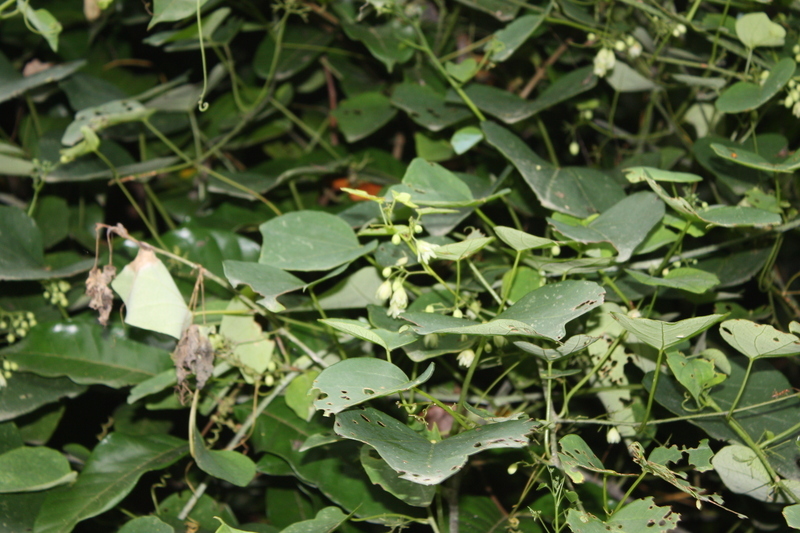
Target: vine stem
point(656, 375)
point(234, 442)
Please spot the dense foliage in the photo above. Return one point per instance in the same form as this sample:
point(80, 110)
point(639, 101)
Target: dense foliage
point(450, 266)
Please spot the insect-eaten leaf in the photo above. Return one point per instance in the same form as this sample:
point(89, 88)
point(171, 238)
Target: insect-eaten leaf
point(101, 297)
point(152, 300)
point(194, 355)
point(418, 459)
point(758, 340)
point(356, 380)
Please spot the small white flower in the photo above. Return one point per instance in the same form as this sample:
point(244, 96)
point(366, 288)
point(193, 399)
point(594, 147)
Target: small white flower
point(613, 436)
point(431, 340)
point(457, 313)
point(587, 114)
point(679, 30)
point(426, 251)
point(619, 45)
point(384, 292)
point(796, 110)
point(465, 358)
point(574, 148)
point(634, 50)
point(398, 303)
point(604, 61)
point(590, 37)
point(386, 272)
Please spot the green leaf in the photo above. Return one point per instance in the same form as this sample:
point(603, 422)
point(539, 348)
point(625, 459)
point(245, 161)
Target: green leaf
point(43, 21)
point(639, 516)
point(503, 10)
point(211, 247)
point(309, 241)
point(388, 340)
point(755, 29)
point(566, 87)
point(251, 350)
point(364, 114)
point(268, 281)
point(507, 40)
point(152, 300)
point(380, 473)
point(327, 520)
point(575, 455)
point(112, 471)
point(52, 217)
point(29, 469)
point(758, 341)
point(301, 45)
point(684, 278)
point(21, 248)
point(384, 42)
point(356, 380)
point(464, 71)
point(570, 347)
point(87, 355)
point(103, 116)
point(430, 184)
point(792, 515)
point(426, 107)
point(625, 225)
point(431, 149)
point(25, 392)
point(418, 459)
point(173, 10)
point(639, 174)
point(465, 138)
point(461, 250)
point(146, 524)
point(743, 473)
point(19, 510)
point(750, 159)
point(521, 241)
point(298, 394)
point(18, 85)
point(231, 466)
point(625, 79)
point(663, 335)
point(745, 96)
point(578, 191)
point(694, 373)
point(540, 313)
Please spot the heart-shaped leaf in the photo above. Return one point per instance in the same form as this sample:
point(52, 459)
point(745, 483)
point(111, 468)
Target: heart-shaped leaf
point(662, 335)
point(521, 241)
point(745, 96)
point(30, 468)
point(755, 29)
point(356, 380)
point(417, 458)
point(229, 465)
point(757, 341)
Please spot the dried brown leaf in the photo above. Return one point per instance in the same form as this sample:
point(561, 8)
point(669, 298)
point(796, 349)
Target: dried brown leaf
point(101, 297)
point(194, 355)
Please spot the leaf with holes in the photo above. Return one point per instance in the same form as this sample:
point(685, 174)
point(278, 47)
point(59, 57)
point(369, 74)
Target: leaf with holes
point(576, 454)
point(694, 373)
point(356, 380)
point(419, 459)
point(639, 516)
point(757, 341)
point(388, 340)
point(103, 116)
point(743, 473)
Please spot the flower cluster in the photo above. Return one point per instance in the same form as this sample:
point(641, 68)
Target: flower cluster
point(395, 293)
point(55, 292)
point(792, 100)
point(604, 62)
point(16, 325)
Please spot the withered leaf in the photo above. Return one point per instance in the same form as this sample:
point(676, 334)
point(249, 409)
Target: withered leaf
point(194, 355)
point(101, 297)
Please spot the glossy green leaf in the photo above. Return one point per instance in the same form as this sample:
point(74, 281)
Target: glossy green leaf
point(33, 468)
point(507, 40)
point(152, 300)
point(430, 184)
point(461, 250)
point(792, 515)
point(211, 247)
point(309, 241)
point(758, 341)
point(229, 465)
point(639, 174)
point(684, 278)
point(388, 340)
point(418, 459)
point(43, 21)
point(11, 88)
point(663, 335)
point(384, 42)
point(52, 218)
point(625, 225)
point(173, 10)
point(113, 469)
point(334, 468)
point(570, 347)
point(625, 79)
point(103, 116)
point(146, 524)
point(301, 45)
point(357, 380)
point(426, 107)
point(362, 115)
point(463, 71)
point(21, 247)
point(521, 241)
point(25, 392)
point(87, 355)
point(746, 158)
point(327, 520)
point(575, 191)
point(540, 313)
point(19, 510)
point(380, 473)
point(465, 138)
point(755, 29)
point(153, 385)
point(639, 516)
point(268, 281)
point(745, 96)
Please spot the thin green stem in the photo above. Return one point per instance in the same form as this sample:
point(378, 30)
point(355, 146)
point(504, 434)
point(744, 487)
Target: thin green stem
point(305, 127)
point(651, 397)
point(462, 399)
point(741, 388)
point(462, 420)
